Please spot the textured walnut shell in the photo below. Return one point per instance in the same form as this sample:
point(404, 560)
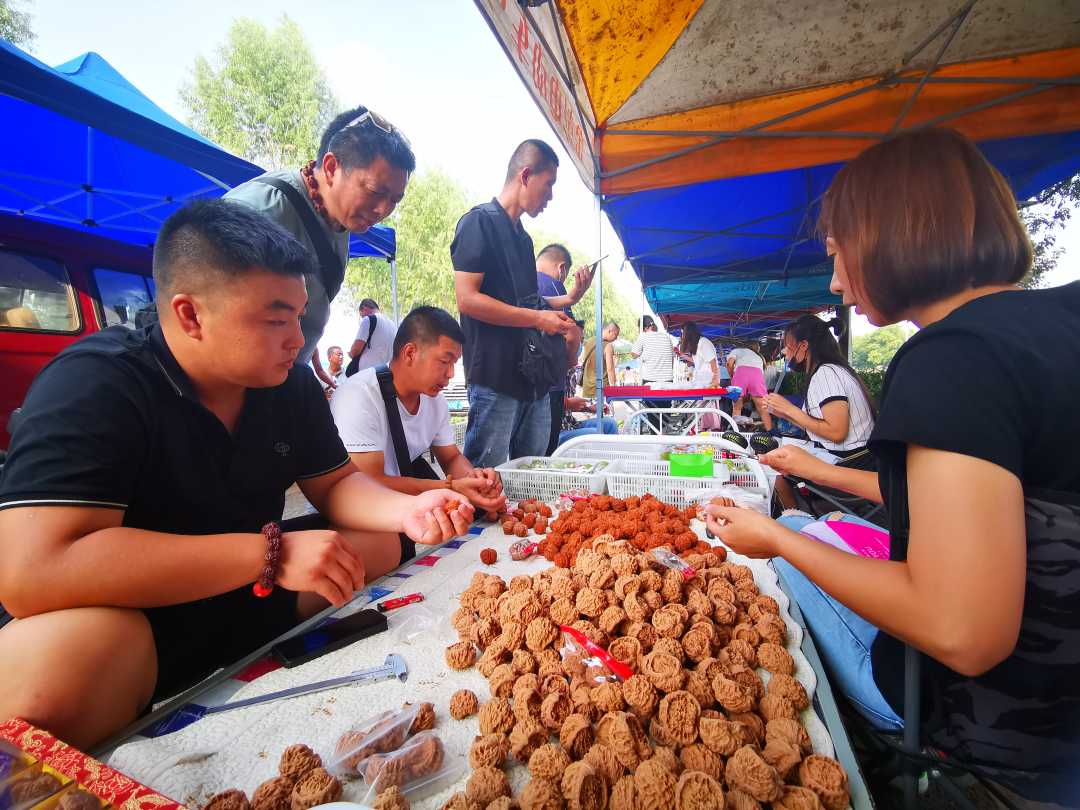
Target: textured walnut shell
point(696, 790)
point(670, 621)
point(81, 800)
point(748, 633)
point(494, 656)
point(640, 696)
point(423, 755)
point(541, 794)
point(605, 763)
point(590, 602)
point(383, 772)
point(390, 799)
point(608, 697)
point(541, 632)
point(786, 686)
point(644, 632)
point(697, 645)
point(425, 718)
point(622, 733)
point(790, 731)
point(563, 611)
point(484, 632)
point(655, 786)
point(554, 710)
point(625, 585)
point(679, 712)
point(548, 762)
point(576, 735)
point(488, 750)
point(748, 772)
point(273, 794)
point(582, 788)
point(658, 731)
point(501, 681)
point(626, 649)
point(774, 706)
point(527, 704)
point(512, 636)
point(25, 790)
point(522, 662)
point(463, 703)
point(783, 756)
point(297, 760)
point(669, 646)
point(827, 779)
point(775, 659)
point(732, 695)
point(697, 757)
point(485, 785)
point(771, 628)
point(527, 681)
point(749, 680)
point(737, 800)
point(753, 727)
point(664, 670)
point(496, 717)
point(665, 755)
point(313, 788)
point(798, 798)
point(623, 795)
point(698, 686)
point(461, 655)
point(720, 736)
point(611, 619)
point(526, 736)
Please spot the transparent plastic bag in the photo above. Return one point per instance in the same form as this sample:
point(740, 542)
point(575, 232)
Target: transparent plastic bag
point(417, 768)
point(670, 560)
point(747, 500)
point(415, 624)
point(586, 660)
point(378, 734)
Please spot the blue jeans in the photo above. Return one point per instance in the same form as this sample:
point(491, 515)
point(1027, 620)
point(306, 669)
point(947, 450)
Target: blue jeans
point(501, 427)
point(842, 637)
point(587, 427)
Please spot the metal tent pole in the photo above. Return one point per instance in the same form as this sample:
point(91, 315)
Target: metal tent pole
point(393, 289)
point(598, 337)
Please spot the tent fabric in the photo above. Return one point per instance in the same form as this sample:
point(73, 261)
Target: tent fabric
point(93, 153)
point(710, 158)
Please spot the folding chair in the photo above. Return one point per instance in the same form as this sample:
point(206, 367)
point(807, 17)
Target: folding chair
point(818, 500)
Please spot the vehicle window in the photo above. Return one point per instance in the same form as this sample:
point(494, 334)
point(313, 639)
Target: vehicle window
point(35, 294)
point(126, 300)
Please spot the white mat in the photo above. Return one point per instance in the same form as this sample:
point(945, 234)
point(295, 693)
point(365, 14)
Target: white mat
point(240, 749)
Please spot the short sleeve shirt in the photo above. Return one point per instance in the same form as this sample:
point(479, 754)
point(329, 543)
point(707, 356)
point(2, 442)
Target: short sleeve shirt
point(487, 241)
point(746, 357)
point(360, 415)
point(833, 383)
point(657, 356)
point(273, 203)
point(703, 357)
point(114, 422)
point(380, 350)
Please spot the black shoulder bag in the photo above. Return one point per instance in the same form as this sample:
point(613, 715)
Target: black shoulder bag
point(331, 268)
point(542, 356)
point(354, 363)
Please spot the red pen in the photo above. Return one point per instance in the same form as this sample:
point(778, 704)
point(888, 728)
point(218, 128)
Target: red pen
point(400, 601)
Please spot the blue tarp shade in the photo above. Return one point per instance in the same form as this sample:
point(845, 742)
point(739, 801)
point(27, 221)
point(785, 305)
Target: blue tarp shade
point(82, 147)
point(695, 247)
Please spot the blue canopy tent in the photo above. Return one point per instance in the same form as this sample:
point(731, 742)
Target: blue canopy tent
point(82, 147)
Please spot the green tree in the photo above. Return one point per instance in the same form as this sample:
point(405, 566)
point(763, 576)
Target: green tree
point(264, 97)
point(1045, 216)
point(875, 349)
point(15, 24)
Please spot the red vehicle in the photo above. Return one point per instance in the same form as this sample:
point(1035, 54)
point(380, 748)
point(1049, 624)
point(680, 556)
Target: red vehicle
point(56, 286)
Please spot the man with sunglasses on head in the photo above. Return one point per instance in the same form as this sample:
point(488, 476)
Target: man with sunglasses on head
point(357, 180)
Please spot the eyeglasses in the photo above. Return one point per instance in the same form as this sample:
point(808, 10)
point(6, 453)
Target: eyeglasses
point(377, 121)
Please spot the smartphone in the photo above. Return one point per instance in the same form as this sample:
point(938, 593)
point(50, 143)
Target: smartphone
point(329, 637)
point(596, 264)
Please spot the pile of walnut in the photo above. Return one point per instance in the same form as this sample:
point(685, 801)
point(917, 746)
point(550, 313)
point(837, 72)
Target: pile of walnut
point(646, 523)
point(530, 514)
point(695, 728)
point(301, 783)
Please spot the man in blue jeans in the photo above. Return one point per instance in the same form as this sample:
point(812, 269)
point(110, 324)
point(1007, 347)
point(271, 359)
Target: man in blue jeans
point(497, 295)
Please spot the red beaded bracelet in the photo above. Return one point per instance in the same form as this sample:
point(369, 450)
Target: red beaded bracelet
point(272, 532)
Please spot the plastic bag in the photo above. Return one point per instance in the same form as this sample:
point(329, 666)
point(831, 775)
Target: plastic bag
point(586, 660)
point(747, 500)
point(379, 734)
point(670, 560)
point(417, 768)
point(414, 625)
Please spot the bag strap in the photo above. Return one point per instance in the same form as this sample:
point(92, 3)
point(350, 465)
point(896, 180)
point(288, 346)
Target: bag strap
point(389, 394)
point(331, 269)
point(354, 363)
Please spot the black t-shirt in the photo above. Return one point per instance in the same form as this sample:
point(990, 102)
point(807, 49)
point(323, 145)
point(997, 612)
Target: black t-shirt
point(114, 422)
point(997, 380)
point(487, 241)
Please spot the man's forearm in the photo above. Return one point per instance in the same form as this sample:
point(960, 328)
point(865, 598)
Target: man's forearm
point(561, 301)
point(460, 467)
point(359, 501)
point(492, 310)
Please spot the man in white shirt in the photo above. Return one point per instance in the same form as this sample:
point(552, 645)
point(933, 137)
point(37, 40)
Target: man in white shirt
point(374, 343)
point(425, 350)
point(657, 354)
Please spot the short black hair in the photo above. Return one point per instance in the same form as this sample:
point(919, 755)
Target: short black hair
point(532, 154)
point(424, 326)
point(368, 303)
point(555, 247)
point(357, 146)
point(225, 237)
point(647, 322)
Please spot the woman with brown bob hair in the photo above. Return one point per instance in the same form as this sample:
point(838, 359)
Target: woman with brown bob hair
point(981, 485)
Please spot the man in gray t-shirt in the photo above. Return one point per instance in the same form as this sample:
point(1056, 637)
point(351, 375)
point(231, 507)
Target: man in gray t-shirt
point(357, 180)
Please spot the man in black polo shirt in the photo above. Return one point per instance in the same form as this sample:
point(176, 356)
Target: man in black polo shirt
point(143, 468)
point(495, 282)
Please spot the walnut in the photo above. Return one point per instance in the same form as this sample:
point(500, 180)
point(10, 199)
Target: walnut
point(527, 681)
point(425, 718)
point(698, 757)
point(627, 650)
point(423, 755)
point(773, 706)
point(738, 651)
point(665, 755)
point(775, 659)
point(548, 762)
point(590, 602)
point(313, 788)
point(737, 800)
point(562, 611)
point(390, 799)
point(541, 794)
point(486, 784)
point(608, 697)
point(771, 628)
point(461, 655)
point(645, 634)
point(658, 731)
point(528, 704)
point(748, 679)
point(488, 750)
point(512, 636)
point(554, 682)
point(611, 619)
point(622, 733)
point(623, 795)
point(30, 789)
point(696, 790)
point(672, 588)
point(798, 798)
point(711, 668)
point(493, 656)
point(655, 785)
point(732, 695)
point(782, 755)
point(297, 760)
point(625, 585)
point(679, 712)
point(669, 646)
point(698, 603)
point(602, 578)
point(76, 799)
point(463, 703)
point(554, 710)
point(753, 726)
point(501, 681)
point(576, 735)
point(459, 802)
point(522, 606)
point(827, 779)
point(624, 565)
point(526, 736)
point(748, 772)
point(696, 644)
point(670, 621)
point(725, 613)
point(664, 670)
point(540, 633)
point(382, 772)
point(582, 788)
point(747, 633)
point(786, 686)
point(522, 662)
point(488, 556)
point(765, 604)
point(790, 731)
point(640, 695)
point(496, 716)
point(720, 736)
point(273, 794)
point(581, 701)
point(651, 581)
point(486, 607)
point(637, 610)
point(605, 763)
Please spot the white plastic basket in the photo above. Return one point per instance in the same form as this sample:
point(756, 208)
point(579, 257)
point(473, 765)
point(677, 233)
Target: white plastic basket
point(640, 477)
point(548, 485)
point(626, 452)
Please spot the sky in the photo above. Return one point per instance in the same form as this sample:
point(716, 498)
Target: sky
point(433, 67)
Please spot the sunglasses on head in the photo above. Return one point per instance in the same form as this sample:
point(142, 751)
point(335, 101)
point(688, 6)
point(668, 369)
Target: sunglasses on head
point(376, 121)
